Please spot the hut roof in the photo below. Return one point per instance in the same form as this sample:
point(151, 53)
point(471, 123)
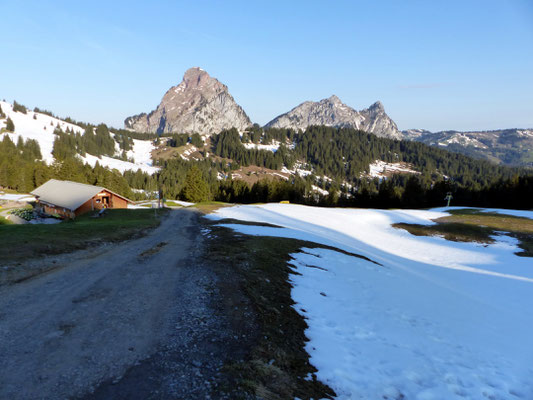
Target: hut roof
point(67, 194)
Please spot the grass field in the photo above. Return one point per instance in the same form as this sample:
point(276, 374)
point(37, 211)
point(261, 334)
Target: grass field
point(4, 221)
point(21, 242)
point(207, 207)
point(470, 225)
point(172, 203)
point(278, 366)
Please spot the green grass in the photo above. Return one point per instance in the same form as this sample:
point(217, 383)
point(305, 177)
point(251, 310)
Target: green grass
point(10, 191)
point(172, 203)
point(470, 225)
point(21, 242)
point(4, 221)
point(208, 207)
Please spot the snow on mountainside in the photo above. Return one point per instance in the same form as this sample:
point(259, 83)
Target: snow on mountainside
point(504, 146)
point(382, 169)
point(270, 147)
point(436, 320)
point(40, 127)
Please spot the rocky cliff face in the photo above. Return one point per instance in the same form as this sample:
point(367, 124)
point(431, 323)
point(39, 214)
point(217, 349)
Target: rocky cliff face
point(332, 112)
point(199, 104)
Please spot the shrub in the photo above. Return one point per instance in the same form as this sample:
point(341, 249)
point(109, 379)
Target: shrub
point(24, 213)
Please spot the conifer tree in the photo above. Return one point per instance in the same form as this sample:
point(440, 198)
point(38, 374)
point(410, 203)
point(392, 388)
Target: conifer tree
point(196, 188)
point(17, 107)
point(20, 143)
point(10, 126)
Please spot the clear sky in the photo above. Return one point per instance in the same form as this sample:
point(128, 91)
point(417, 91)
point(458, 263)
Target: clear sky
point(436, 65)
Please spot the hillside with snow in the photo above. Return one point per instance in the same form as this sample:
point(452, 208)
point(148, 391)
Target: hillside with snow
point(40, 127)
point(504, 146)
point(420, 318)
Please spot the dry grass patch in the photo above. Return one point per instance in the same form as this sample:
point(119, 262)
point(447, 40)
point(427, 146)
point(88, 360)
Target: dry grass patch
point(277, 367)
point(470, 225)
point(207, 207)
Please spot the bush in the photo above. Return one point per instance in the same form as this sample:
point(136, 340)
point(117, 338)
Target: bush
point(24, 213)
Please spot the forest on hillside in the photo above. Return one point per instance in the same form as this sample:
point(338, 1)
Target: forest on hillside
point(337, 158)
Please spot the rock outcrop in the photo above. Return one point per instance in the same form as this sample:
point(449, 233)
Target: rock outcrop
point(199, 104)
point(333, 112)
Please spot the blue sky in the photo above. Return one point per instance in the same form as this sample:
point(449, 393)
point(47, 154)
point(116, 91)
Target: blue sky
point(436, 65)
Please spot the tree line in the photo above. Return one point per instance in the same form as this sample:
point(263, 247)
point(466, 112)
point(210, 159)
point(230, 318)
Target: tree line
point(340, 154)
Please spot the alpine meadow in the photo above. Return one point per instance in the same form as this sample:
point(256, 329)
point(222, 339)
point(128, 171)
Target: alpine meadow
point(283, 200)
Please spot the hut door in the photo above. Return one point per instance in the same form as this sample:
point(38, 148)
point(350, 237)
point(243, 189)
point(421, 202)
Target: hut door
point(105, 201)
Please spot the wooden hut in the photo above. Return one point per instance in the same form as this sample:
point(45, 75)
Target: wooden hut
point(70, 199)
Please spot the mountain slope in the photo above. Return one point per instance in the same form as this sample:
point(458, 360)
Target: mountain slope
point(199, 104)
point(333, 112)
point(40, 127)
point(505, 146)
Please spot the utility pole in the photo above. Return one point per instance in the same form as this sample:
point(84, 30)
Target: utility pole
point(448, 197)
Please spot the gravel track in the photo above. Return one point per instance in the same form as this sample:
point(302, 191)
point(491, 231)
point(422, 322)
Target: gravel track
point(138, 320)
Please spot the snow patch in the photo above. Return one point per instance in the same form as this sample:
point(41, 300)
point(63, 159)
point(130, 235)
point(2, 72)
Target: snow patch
point(40, 129)
point(318, 189)
point(17, 197)
point(380, 169)
point(270, 147)
point(436, 320)
point(119, 165)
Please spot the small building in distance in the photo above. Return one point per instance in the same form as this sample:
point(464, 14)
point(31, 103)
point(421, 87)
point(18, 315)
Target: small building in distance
point(70, 199)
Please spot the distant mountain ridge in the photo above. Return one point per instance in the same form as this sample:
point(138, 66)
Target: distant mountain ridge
point(333, 112)
point(199, 104)
point(503, 146)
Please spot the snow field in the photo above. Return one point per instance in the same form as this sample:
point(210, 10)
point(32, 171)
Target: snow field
point(438, 319)
point(142, 152)
point(42, 130)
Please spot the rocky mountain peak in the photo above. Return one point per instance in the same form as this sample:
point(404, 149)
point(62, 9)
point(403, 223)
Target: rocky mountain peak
point(333, 112)
point(377, 106)
point(197, 78)
point(199, 104)
point(333, 99)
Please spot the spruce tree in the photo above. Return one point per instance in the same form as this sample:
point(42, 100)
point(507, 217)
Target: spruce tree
point(17, 107)
point(10, 126)
point(196, 188)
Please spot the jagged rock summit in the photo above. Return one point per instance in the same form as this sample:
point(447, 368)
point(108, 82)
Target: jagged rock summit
point(333, 112)
point(199, 104)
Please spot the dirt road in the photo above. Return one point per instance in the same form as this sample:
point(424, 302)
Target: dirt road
point(137, 320)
